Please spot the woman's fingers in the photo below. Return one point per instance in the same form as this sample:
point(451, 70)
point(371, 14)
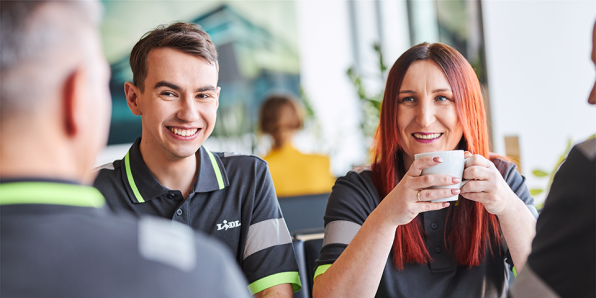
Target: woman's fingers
point(477, 160)
point(427, 181)
point(423, 163)
point(435, 194)
point(425, 207)
point(479, 173)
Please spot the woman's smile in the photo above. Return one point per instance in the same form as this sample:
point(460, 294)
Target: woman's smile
point(425, 137)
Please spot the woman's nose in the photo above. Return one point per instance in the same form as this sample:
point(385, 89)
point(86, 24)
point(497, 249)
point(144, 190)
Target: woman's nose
point(425, 114)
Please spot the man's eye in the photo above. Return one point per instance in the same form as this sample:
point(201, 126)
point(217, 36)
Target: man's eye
point(203, 95)
point(167, 93)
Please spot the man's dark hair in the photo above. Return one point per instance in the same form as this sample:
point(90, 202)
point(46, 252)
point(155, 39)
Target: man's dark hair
point(189, 38)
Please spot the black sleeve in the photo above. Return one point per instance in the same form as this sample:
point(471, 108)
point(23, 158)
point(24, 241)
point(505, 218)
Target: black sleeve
point(269, 257)
point(563, 251)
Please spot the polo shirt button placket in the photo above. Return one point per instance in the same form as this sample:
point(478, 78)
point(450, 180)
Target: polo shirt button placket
point(171, 195)
point(434, 225)
point(179, 212)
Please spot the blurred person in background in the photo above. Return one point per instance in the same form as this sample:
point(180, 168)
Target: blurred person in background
point(563, 261)
point(294, 173)
point(169, 173)
point(380, 223)
point(57, 239)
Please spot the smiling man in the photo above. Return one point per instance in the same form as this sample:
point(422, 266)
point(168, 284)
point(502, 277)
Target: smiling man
point(167, 172)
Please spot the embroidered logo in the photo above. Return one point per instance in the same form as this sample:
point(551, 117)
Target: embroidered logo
point(228, 225)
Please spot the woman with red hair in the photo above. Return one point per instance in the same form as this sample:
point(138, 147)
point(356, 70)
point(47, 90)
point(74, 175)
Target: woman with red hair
point(380, 224)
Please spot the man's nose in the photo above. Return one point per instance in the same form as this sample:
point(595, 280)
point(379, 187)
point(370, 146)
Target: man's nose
point(188, 109)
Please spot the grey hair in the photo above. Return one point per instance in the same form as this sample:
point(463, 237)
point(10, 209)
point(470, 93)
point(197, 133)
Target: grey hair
point(35, 36)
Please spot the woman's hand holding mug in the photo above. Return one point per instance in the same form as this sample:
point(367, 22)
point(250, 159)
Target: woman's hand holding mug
point(486, 185)
point(413, 194)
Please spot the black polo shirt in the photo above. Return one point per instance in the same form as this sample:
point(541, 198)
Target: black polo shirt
point(233, 200)
point(563, 261)
point(352, 200)
point(58, 241)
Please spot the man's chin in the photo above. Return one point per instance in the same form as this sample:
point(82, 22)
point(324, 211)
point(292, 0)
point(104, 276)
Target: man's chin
point(183, 154)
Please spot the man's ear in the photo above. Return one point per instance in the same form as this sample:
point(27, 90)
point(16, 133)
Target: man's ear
point(73, 107)
point(132, 98)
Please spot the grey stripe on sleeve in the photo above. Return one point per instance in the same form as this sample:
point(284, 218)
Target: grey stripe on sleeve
point(167, 242)
point(340, 231)
point(528, 284)
point(265, 234)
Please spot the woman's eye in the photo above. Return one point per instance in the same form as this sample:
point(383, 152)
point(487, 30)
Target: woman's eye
point(441, 98)
point(407, 99)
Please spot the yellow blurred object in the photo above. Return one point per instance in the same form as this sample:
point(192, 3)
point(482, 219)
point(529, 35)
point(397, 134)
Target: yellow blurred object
point(295, 173)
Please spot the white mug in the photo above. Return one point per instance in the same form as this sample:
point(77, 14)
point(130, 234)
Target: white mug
point(452, 165)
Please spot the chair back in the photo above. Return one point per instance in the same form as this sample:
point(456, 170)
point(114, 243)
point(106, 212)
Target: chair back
point(304, 212)
point(305, 292)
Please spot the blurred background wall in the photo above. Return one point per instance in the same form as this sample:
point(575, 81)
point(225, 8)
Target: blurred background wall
point(532, 58)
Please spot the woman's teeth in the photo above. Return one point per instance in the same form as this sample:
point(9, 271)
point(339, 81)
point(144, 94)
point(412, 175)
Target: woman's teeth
point(427, 137)
point(183, 132)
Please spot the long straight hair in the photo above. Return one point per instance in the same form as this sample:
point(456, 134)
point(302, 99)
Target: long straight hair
point(470, 226)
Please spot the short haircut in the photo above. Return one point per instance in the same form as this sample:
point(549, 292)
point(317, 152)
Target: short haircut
point(36, 35)
point(271, 112)
point(188, 38)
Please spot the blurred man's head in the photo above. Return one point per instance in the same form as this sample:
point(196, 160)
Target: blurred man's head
point(54, 87)
point(174, 89)
point(592, 98)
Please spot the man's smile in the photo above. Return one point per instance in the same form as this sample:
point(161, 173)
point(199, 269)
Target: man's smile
point(184, 132)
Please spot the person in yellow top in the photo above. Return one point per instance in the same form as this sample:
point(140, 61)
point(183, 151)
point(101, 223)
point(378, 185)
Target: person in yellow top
point(294, 173)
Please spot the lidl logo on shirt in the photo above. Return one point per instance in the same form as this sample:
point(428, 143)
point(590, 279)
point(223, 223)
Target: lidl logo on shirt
point(228, 225)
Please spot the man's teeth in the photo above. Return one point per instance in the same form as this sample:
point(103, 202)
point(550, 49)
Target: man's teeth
point(183, 132)
point(427, 137)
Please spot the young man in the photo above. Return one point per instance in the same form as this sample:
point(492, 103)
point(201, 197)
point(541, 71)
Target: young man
point(563, 261)
point(167, 172)
point(57, 240)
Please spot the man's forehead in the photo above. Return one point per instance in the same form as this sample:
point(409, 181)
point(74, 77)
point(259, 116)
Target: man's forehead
point(174, 65)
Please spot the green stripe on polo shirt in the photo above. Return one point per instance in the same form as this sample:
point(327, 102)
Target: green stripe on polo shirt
point(290, 277)
point(131, 180)
point(320, 270)
point(215, 168)
point(50, 193)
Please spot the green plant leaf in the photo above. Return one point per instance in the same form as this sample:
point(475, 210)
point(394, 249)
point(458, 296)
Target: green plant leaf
point(535, 191)
point(539, 173)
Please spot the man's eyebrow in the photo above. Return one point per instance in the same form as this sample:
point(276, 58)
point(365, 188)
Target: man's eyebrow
point(166, 84)
point(206, 88)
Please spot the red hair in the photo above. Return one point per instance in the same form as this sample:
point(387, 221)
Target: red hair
point(470, 225)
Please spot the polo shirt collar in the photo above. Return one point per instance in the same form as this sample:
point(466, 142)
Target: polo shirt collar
point(212, 174)
point(49, 193)
point(145, 187)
